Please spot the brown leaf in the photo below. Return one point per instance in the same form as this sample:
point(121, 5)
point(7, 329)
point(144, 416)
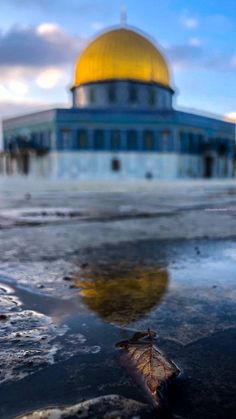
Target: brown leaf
point(148, 361)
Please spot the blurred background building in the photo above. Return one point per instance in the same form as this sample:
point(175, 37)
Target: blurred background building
point(122, 123)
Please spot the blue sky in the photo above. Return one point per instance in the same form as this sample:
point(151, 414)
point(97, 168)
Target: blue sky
point(40, 40)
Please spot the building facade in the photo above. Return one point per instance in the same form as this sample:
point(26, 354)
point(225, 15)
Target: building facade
point(122, 123)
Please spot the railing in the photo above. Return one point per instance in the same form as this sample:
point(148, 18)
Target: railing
point(22, 145)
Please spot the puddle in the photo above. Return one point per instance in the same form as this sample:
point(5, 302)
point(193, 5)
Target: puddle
point(8, 300)
point(121, 296)
point(52, 278)
point(37, 215)
point(63, 319)
point(26, 344)
point(31, 341)
point(83, 268)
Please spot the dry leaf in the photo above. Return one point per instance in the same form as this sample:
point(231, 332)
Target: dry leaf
point(148, 361)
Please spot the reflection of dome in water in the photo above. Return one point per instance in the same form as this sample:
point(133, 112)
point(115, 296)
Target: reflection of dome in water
point(123, 297)
point(121, 54)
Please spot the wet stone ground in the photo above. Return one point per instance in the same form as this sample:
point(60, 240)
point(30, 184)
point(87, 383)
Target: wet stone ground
point(84, 266)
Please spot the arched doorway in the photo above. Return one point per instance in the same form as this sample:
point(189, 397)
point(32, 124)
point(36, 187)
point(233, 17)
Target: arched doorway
point(25, 163)
point(208, 166)
point(115, 165)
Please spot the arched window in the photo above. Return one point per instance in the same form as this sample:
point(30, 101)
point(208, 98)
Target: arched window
point(82, 139)
point(182, 141)
point(1, 164)
point(98, 138)
point(92, 95)
point(200, 140)
point(65, 138)
point(190, 142)
point(115, 165)
point(115, 140)
point(133, 94)
point(112, 93)
point(148, 137)
point(222, 149)
point(166, 144)
point(132, 143)
point(50, 138)
point(152, 97)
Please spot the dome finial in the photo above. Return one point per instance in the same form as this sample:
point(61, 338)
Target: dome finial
point(123, 15)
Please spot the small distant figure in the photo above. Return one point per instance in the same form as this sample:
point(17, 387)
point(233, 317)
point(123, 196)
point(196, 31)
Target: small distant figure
point(197, 250)
point(27, 196)
point(149, 175)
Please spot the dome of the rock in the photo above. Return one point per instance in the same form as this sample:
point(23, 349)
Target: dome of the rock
point(121, 54)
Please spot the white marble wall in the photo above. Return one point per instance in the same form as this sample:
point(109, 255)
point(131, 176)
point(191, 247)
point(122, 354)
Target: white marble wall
point(133, 165)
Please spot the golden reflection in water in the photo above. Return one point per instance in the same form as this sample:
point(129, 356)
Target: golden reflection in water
point(122, 296)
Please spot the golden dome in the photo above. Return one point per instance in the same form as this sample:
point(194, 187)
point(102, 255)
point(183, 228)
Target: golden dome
point(121, 54)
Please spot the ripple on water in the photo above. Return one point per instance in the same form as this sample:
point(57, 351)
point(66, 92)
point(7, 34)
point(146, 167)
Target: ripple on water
point(43, 278)
point(26, 343)
point(31, 341)
point(8, 301)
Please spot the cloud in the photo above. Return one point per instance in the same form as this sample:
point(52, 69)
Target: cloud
point(97, 26)
point(45, 45)
point(185, 55)
point(221, 61)
point(231, 116)
point(33, 59)
point(26, 4)
point(233, 61)
point(195, 42)
point(189, 22)
point(50, 78)
point(12, 90)
point(192, 54)
point(19, 88)
point(218, 23)
point(58, 7)
point(45, 29)
point(10, 107)
point(4, 93)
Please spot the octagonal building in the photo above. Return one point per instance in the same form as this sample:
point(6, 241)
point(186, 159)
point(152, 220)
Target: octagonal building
point(122, 123)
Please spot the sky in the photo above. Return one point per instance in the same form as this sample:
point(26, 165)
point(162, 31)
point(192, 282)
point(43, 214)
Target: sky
point(41, 39)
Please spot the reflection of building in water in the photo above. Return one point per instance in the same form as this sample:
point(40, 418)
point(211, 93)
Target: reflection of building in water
point(122, 123)
point(123, 296)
